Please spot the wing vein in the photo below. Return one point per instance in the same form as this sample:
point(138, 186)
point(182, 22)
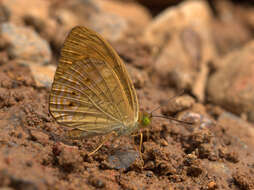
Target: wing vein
point(98, 107)
point(108, 89)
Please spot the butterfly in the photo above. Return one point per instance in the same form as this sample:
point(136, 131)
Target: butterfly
point(92, 93)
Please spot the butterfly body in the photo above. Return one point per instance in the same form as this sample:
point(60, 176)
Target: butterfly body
point(120, 129)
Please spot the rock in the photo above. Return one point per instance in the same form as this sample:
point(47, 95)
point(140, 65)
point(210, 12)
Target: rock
point(201, 78)
point(195, 14)
point(212, 185)
point(4, 14)
point(198, 120)
point(24, 44)
point(122, 159)
point(229, 29)
point(139, 77)
point(35, 14)
point(229, 35)
point(92, 14)
point(232, 85)
point(178, 104)
point(240, 132)
point(28, 48)
point(128, 10)
point(134, 53)
point(43, 75)
point(110, 26)
point(174, 67)
point(51, 19)
point(64, 20)
point(183, 45)
point(65, 16)
point(18, 10)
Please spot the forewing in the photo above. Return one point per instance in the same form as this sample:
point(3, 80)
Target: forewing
point(83, 43)
point(88, 96)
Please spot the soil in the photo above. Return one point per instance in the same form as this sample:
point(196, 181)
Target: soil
point(215, 152)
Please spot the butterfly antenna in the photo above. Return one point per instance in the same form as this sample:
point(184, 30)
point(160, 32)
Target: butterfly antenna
point(178, 94)
point(171, 118)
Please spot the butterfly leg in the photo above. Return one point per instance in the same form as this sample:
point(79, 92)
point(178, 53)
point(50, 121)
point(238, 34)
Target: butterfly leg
point(140, 147)
point(103, 142)
point(140, 143)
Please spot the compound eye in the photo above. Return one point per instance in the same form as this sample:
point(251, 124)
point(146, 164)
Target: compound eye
point(146, 121)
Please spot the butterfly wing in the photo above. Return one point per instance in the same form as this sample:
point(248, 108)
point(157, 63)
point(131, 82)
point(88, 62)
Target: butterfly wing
point(92, 90)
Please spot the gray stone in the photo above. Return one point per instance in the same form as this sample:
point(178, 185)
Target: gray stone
point(25, 44)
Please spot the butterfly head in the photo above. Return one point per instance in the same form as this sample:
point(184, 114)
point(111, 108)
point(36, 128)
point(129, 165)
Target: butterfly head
point(145, 119)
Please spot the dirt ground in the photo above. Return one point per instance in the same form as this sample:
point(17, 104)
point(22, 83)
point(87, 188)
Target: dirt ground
point(203, 47)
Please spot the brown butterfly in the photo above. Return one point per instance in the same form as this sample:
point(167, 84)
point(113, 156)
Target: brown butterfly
point(92, 92)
